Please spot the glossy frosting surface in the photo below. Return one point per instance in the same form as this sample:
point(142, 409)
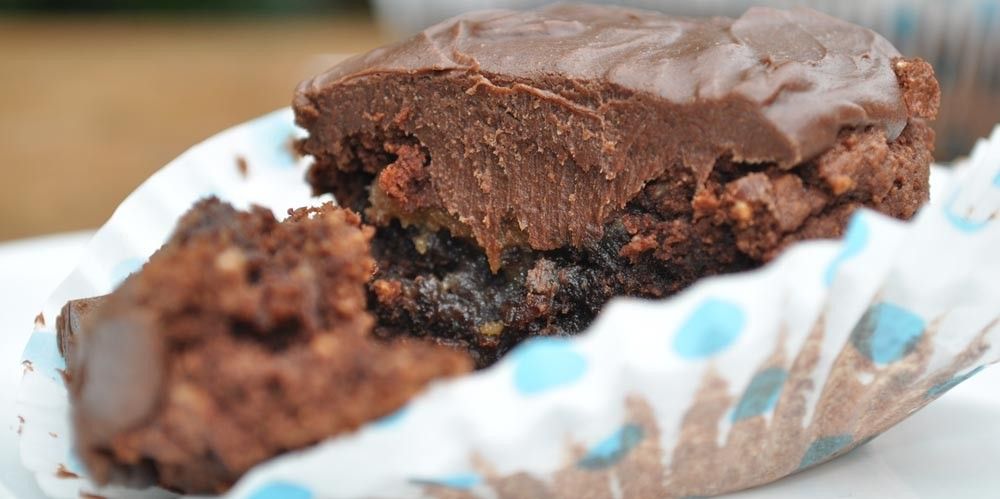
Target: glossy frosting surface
point(810, 74)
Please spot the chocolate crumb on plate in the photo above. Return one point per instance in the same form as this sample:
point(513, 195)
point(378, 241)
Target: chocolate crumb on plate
point(63, 472)
point(241, 165)
point(292, 145)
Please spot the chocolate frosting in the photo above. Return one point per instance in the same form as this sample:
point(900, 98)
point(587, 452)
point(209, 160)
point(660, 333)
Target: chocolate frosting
point(774, 86)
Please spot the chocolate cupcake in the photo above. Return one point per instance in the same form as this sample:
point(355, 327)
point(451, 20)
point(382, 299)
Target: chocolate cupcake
point(522, 168)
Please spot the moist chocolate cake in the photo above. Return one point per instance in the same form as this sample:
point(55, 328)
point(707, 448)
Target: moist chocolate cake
point(242, 338)
point(522, 168)
point(514, 170)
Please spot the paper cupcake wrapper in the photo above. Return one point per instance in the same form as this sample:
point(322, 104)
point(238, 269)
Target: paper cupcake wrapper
point(737, 381)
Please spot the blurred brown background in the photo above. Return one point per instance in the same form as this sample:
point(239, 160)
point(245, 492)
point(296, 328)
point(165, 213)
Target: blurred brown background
point(95, 95)
point(94, 101)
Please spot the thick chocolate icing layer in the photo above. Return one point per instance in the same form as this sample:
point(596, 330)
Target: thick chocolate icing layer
point(809, 74)
point(579, 106)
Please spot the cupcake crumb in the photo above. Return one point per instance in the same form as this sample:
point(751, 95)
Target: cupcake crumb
point(292, 144)
point(242, 166)
point(63, 472)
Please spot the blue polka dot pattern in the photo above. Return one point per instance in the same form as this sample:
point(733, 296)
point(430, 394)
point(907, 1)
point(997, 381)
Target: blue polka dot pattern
point(392, 419)
point(461, 481)
point(43, 354)
point(281, 490)
point(125, 268)
point(73, 463)
point(942, 388)
point(542, 364)
point(887, 333)
point(610, 450)
point(272, 137)
point(762, 394)
point(854, 243)
point(960, 222)
point(710, 329)
point(996, 180)
point(823, 449)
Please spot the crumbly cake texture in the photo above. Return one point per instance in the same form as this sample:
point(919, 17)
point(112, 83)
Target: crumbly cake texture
point(522, 168)
point(240, 339)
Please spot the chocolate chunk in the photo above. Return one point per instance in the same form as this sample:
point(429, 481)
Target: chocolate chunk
point(121, 373)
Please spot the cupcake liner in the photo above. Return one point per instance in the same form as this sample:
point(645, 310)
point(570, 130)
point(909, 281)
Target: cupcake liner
point(737, 381)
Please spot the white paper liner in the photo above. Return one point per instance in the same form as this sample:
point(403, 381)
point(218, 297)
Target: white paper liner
point(737, 381)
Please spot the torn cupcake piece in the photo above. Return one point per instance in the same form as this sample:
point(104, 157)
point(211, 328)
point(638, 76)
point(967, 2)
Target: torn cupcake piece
point(241, 338)
point(522, 168)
